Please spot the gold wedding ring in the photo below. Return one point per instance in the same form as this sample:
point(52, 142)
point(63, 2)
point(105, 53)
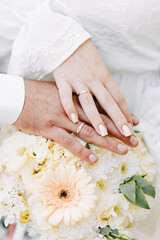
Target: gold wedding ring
point(80, 128)
point(82, 92)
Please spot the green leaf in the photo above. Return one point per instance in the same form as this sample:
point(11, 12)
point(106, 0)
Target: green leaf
point(87, 146)
point(122, 237)
point(140, 181)
point(129, 190)
point(140, 198)
point(105, 231)
point(136, 131)
point(149, 190)
point(129, 200)
point(115, 231)
point(134, 189)
point(113, 234)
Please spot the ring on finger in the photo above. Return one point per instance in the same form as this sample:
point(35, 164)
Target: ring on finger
point(80, 128)
point(82, 92)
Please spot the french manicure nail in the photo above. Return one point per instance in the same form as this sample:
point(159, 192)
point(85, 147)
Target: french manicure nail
point(133, 140)
point(74, 118)
point(103, 130)
point(131, 127)
point(122, 148)
point(127, 132)
point(135, 119)
point(92, 157)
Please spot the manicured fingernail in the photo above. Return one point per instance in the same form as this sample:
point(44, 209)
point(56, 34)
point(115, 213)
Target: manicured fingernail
point(135, 119)
point(122, 148)
point(92, 157)
point(74, 118)
point(130, 125)
point(133, 140)
point(103, 130)
point(127, 132)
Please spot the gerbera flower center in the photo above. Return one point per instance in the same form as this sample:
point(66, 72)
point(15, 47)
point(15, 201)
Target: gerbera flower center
point(64, 194)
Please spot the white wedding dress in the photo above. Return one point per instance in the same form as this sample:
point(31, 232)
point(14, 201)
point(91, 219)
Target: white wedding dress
point(127, 35)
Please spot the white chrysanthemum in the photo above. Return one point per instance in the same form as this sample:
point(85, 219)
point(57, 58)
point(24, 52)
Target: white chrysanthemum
point(13, 150)
point(147, 164)
point(108, 161)
point(11, 200)
point(86, 230)
point(7, 131)
point(130, 166)
point(112, 210)
point(39, 150)
point(69, 195)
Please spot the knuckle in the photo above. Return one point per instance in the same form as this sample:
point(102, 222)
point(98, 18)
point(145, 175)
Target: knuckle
point(68, 142)
point(108, 104)
point(49, 124)
point(106, 75)
point(92, 76)
point(86, 98)
point(83, 152)
point(121, 100)
point(88, 131)
point(106, 120)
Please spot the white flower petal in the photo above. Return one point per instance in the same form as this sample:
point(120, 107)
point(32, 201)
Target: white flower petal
point(67, 216)
point(56, 217)
point(48, 211)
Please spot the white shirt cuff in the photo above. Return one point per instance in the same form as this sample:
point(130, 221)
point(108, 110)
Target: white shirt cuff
point(12, 95)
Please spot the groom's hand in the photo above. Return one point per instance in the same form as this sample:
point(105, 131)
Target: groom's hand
point(44, 115)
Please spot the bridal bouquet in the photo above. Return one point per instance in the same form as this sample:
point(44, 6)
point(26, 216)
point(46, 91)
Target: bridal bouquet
point(62, 197)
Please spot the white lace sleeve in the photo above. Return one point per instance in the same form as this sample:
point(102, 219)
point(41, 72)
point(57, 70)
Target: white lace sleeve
point(51, 34)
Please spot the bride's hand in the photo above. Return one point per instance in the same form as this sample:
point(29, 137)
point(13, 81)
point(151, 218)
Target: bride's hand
point(85, 70)
point(44, 115)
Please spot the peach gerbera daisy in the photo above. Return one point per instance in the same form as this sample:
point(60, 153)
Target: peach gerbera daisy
point(69, 195)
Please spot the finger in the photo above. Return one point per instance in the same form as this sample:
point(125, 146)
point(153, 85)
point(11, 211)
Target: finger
point(89, 107)
point(65, 93)
point(131, 141)
point(11, 231)
point(112, 109)
point(69, 142)
point(89, 134)
point(118, 97)
point(135, 120)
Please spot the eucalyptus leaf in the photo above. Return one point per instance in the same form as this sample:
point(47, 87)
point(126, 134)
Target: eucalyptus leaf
point(122, 237)
point(149, 190)
point(129, 200)
point(105, 231)
point(140, 198)
point(115, 231)
point(109, 233)
point(129, 190)
point(140, 181)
